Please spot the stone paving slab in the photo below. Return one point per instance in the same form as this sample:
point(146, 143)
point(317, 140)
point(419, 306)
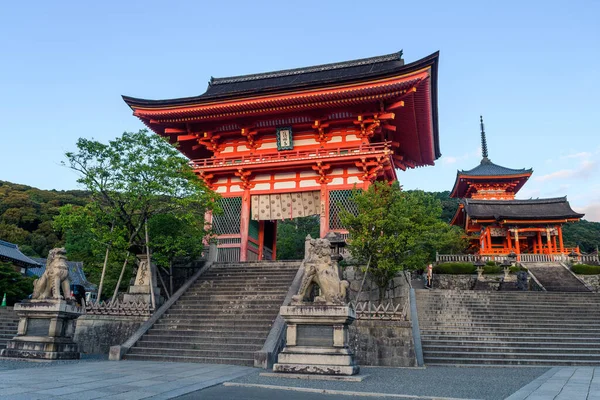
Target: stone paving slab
point(563, 383)
point(130, 380)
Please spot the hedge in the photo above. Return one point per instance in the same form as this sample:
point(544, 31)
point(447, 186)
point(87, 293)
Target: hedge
point(584, 269)
point(454, 268)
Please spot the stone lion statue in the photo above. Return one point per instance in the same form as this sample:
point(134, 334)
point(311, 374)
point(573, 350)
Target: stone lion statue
point(54, 278)
point(319, 269)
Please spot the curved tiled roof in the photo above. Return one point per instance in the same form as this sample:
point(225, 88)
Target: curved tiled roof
point(533, 209)
point(488, 168)
point(10, 252)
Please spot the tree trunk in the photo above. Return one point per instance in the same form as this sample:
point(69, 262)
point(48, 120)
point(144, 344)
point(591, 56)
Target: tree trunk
point(120, 278)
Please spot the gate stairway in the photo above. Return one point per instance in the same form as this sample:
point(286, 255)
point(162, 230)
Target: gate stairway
point(509, 328)
point(555, 278)
point(9, 322)
point(223, 318)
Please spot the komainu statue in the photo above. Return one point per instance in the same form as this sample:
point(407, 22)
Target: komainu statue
point(319, 269)
point(54, 278)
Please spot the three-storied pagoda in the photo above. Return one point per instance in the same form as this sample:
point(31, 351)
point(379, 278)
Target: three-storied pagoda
point(499, 224)
point(294, 143)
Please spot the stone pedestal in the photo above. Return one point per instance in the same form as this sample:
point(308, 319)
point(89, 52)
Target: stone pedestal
point(140, 291)
point(317, 340)
point(46, 330)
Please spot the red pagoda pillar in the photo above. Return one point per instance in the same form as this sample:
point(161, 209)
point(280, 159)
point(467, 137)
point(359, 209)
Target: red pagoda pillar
point(324, 222)
point(244, 225)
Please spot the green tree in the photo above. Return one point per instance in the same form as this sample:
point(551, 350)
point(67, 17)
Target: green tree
point(291, 234)
point(16, 286)
point(396, 230)
point(130, 180)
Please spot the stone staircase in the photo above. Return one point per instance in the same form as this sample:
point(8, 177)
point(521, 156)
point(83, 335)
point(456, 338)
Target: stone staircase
point(509, 328)
point(8, 325)
point(223, 318)
point(555, 278)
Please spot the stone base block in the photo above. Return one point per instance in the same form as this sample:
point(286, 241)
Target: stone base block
point(324, 358)
point(316, 369)
point(42, 348)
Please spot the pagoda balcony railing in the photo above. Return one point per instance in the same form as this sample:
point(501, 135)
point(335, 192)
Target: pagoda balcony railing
point(292, 155)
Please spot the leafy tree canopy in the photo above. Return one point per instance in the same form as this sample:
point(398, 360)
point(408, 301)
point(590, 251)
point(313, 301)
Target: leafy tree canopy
point(397, 230)
point(16, 286)
point(291, 234)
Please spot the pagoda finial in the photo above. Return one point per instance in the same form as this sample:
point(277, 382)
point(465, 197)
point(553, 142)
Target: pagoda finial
point(484, 151)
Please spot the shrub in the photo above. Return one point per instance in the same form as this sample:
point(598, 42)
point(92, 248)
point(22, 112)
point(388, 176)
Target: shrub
point(584, 269)
point(454, 268)
point(492, 269)
point(517, 268)
point(491, 263)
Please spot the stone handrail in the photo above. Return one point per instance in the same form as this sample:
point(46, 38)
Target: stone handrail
point(267, 356)
point(589, 259)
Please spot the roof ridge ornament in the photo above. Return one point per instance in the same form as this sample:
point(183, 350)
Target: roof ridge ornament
point(484, 150)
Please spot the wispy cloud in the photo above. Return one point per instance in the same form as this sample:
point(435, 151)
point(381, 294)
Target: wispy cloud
point(582, 154)
point(591, 211)
point(584, 169)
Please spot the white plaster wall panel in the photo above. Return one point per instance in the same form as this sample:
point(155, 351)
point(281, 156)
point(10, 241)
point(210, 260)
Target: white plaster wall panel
point(288, 175)
point(263, 177)
point(337, 181)
point(337, 171)
point(351, 137)
point(309, 183)
point(235, 179)
point(336, 139)
point(305, 142)
point(221, 180)
point(268, 145)
point(228, 149)
point(221, 189)
point(305, 174)
point(262, 186)
point(236, 188)
point(353, 179)
point(352, 170)
point(284, 185)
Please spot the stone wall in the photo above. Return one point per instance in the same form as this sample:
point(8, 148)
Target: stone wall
point(591, 281)
point(96, 333)
point(383, 343)
point(454, 282)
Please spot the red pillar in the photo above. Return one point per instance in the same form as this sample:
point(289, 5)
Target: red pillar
point(261, 239)
point(560, 239)
point(324, 221)
point(548, 241)
point(244, 224)
point(517, 246)
point(540, 246)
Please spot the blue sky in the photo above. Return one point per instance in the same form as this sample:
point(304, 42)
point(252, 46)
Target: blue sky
point(530, 67)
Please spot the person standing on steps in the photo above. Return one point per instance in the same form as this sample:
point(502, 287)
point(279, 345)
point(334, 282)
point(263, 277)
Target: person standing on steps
point(429, 277)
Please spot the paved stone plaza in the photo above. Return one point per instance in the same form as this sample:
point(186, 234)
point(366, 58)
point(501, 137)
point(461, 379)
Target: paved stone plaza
point(100, 379)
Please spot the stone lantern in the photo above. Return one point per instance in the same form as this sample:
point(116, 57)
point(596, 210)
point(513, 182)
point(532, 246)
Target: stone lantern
point(479, 265)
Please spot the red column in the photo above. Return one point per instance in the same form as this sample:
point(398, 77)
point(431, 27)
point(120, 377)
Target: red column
point(517, 246)
point(261, 239)
point(275, 240)
point(488, 236)
point(560, 239)
point(324, 222)
point(548, 241)
point(508, 241)
point(540, 246)
point(244, 224)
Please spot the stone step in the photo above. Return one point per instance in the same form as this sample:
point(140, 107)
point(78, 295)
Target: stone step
point(214, 340)
point(457, 354)
point(501, 334)
point(512, 349)
point(516, 341)
point(222, 315)
point(206, 333)
point(510, 319)
point(193, 325)
point(248, 362)
point(200, 345)
point(508, 328)
point(442, 360)
point(196, 353)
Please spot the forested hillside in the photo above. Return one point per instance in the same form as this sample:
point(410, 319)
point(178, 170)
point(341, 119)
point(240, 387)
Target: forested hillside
point(26, 215)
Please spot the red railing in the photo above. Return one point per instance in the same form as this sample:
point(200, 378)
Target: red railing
point(290, 155)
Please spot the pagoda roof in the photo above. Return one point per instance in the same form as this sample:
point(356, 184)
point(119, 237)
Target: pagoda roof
point(10, 252)
point(283, 80)
point(557, 208)
point(487, 170)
